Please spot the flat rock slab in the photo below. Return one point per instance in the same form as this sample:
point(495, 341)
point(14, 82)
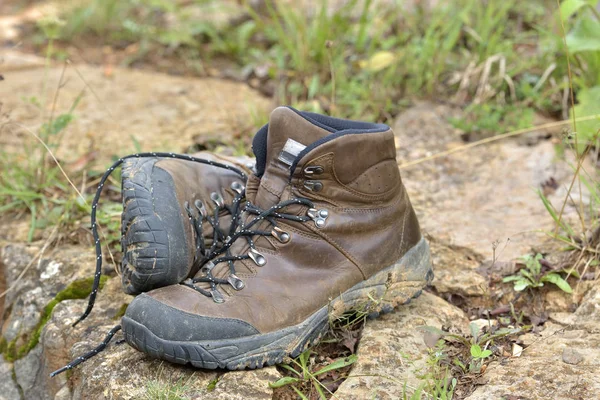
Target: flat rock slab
point(116, 110)
point(392, 352)
point(483, 195)
point(563, 362)
point(542, 372)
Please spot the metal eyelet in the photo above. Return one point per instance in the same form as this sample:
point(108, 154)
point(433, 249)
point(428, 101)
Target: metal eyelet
point(217, 296)
point(218, 199)
point(200, 207)
point(258, 258)
point(280, 235)
point(236, 282)
point(313, 170)
point(315, 186)
point(206, 268)
point(237, 187)
point(319, 216)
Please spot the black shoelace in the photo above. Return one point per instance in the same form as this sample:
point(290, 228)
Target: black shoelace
point(199, 214)
point(244, 230)
point(218, 236)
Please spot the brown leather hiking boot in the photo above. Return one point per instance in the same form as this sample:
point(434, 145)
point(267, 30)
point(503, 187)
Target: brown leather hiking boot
point(171, 208)
point(328, 228)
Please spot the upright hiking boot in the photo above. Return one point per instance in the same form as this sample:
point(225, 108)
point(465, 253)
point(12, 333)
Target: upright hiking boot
point(174, 210)
point(328, 228)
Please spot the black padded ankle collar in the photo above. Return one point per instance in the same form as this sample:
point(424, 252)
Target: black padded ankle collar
point(337, 126)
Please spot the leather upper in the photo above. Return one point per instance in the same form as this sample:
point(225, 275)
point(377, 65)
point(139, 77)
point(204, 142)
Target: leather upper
point(369, 226)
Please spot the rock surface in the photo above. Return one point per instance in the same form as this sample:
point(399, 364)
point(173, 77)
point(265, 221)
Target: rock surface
point(160, 112)
point(8, 387)
point(542, 373)
point(562, 362)
point(392, 351)
point(478, 197)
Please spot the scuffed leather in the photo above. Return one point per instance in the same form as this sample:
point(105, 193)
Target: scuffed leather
point(194, 181)
point(367, 230)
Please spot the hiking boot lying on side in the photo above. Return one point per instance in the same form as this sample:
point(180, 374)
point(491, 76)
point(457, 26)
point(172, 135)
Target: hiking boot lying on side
point(328, 228)
point(164, 201)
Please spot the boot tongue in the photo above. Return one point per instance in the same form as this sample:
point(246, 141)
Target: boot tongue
point(288, 134)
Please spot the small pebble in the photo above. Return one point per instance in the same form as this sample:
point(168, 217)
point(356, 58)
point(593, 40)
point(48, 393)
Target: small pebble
point(571, 356)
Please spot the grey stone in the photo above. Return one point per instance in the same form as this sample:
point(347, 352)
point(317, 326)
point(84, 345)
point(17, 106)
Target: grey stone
point(247, 384)
point(571, 356)
point(8, 387)
point(31, 376)
point(483, 199)
point(63, 394)
point(540, 373)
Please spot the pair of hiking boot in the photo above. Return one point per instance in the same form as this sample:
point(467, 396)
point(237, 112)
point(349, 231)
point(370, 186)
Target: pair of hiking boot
point(241, 269)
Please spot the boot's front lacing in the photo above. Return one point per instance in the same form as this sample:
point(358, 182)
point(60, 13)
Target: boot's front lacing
point(238, 230)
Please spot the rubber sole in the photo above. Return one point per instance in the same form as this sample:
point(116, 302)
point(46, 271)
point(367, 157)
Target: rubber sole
point(386, 290)
point(151, 239)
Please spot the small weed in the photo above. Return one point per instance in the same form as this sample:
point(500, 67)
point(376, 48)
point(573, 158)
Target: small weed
point(583, 43)
point(455, 360)
point(533, 276)
point(306, 375)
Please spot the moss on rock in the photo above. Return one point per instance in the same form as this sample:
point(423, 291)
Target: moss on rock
point(77, 290)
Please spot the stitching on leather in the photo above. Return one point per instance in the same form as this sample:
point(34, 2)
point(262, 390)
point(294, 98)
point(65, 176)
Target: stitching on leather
point(329, 161)
point(250, 267)
point(301, 233)
point(269, 189)
point(354, 182)
point(339, 248)
point(360, 194)
point(374, 210)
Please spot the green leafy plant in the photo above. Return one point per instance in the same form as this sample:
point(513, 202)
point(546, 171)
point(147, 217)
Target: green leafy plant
point(301, 370)
point(473, 352)
point(532, 276)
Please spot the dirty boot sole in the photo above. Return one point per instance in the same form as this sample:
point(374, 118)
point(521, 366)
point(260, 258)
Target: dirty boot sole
point(394, 286)
point(152, 236)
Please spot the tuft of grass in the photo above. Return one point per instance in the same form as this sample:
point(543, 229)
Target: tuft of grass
point(159, 389)
point(489, 118)
point(304, 379)
point(156, 390)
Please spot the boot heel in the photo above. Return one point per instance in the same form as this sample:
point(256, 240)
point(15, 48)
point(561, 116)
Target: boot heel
point(396, 285)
